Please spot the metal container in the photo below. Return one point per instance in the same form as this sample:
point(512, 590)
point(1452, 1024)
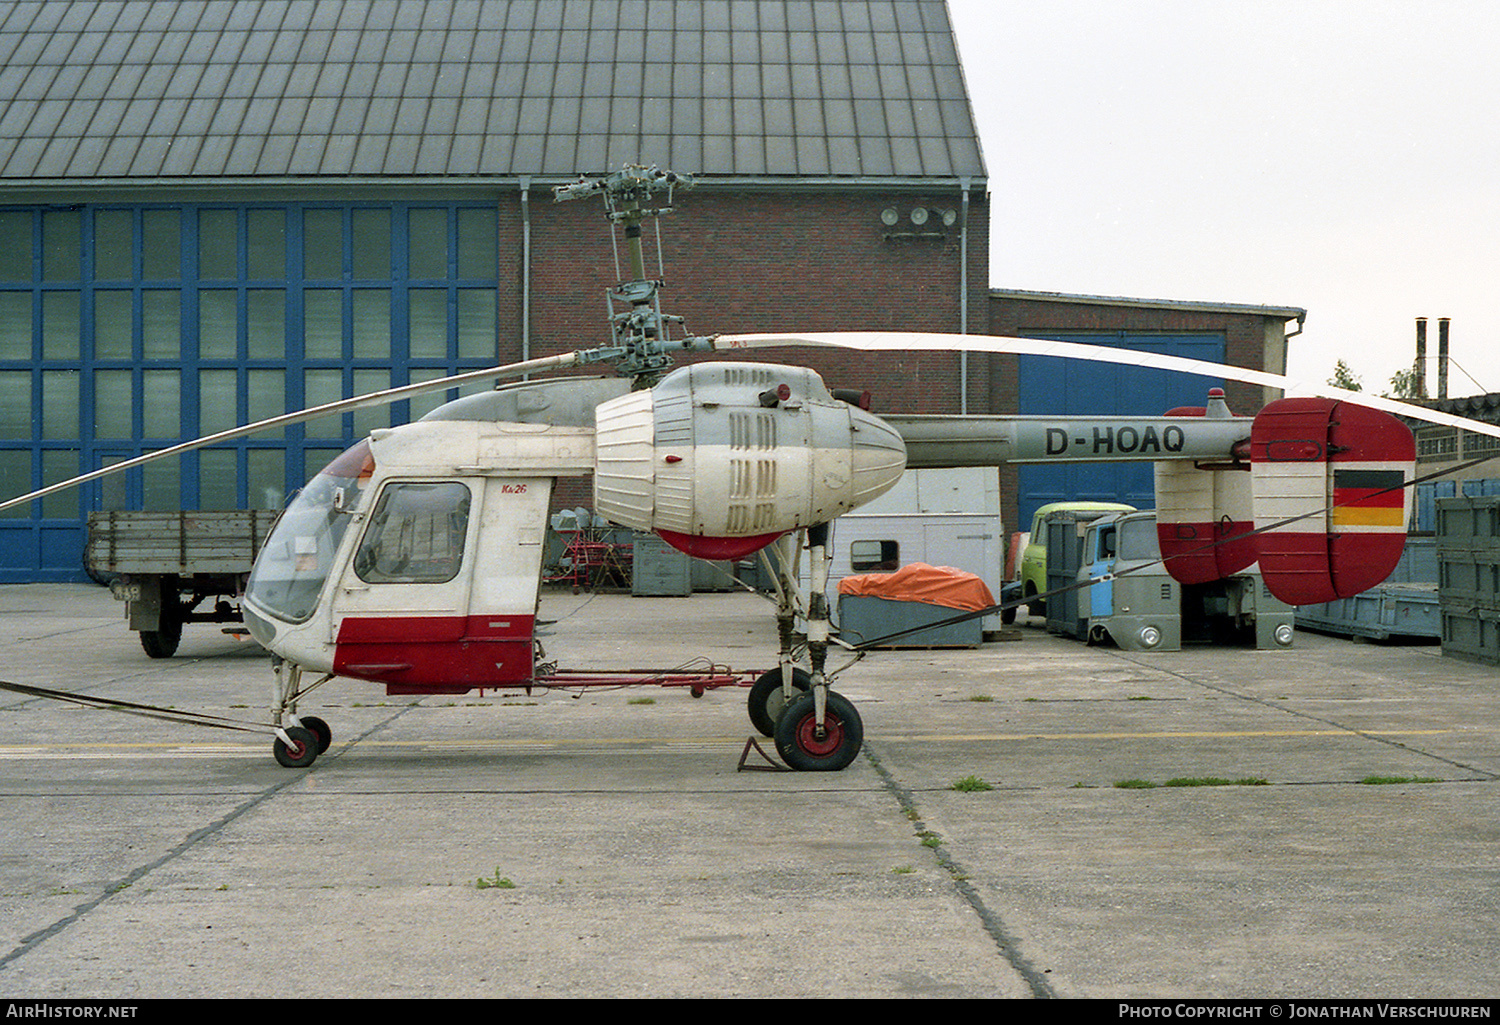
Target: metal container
point(862, 618)
point(658, 570)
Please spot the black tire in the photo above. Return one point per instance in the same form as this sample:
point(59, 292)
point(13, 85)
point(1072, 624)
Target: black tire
point(765, 701)
point(320, 729)
point(799, 745)
point(162, 643)
point(1008, 616)
point(1035, 606)
point(302, 752)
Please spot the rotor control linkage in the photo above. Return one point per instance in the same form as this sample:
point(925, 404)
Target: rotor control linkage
point(642, 332)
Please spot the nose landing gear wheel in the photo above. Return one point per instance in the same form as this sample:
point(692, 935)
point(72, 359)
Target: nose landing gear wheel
point(805, 747)
point(766, 702)
point(302, 752)
point(319, 729)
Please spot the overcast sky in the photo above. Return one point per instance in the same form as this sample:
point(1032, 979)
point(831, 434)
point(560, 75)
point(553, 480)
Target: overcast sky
point(1342, 156)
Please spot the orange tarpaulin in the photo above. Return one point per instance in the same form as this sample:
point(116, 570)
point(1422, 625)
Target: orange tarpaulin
point(934, 585)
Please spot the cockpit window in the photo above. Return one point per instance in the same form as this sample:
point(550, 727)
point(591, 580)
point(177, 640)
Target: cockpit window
point(416, 535)
point(294, 564)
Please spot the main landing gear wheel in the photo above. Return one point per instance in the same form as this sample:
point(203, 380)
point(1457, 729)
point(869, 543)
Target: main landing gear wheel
point(805, 747)
point(319, 729)
point(302, 752)
point(766, 700)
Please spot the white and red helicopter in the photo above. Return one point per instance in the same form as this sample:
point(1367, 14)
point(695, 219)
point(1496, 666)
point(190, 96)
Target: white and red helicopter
point(414, 559)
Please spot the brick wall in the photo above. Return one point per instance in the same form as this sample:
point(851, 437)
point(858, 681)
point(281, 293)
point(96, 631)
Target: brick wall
point(759, 261)
point(741, 262)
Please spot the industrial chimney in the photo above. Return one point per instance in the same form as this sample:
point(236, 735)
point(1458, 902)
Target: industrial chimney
point(1443, 357)
point(1421, 357)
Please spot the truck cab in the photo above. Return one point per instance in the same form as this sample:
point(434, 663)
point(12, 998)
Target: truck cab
point(1034, 556)
point(1131, 600)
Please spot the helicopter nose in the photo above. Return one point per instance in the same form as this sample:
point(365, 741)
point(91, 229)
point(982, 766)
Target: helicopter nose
point(877, 455)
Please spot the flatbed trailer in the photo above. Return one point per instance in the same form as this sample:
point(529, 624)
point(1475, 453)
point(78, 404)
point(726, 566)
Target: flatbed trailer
point(173, 568)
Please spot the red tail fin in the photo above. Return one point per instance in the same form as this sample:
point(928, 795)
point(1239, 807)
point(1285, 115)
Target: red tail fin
point(1345, 464)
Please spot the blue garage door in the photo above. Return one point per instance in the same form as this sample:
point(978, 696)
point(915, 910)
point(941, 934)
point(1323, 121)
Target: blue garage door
point(126, 329)
point(1059, 387)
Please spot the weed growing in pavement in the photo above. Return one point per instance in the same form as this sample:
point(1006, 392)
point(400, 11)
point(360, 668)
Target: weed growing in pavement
point(495, 882)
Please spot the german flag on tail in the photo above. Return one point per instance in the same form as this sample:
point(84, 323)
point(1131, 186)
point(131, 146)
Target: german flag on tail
point(1369, 498)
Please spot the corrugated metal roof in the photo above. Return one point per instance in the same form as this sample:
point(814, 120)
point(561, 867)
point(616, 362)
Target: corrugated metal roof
point(1184, 305)
point(147, 89)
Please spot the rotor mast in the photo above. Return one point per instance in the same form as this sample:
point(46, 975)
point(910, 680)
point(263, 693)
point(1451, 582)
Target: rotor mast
point(642, 332)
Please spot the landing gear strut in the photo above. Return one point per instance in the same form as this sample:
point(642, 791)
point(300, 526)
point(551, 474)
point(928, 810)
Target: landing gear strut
point(814, 728)
point(299, 739)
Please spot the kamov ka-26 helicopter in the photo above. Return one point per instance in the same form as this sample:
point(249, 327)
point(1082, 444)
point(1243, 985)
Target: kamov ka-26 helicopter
point(414, 559)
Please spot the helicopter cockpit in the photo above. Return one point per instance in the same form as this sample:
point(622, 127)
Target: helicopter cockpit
point(298, 556)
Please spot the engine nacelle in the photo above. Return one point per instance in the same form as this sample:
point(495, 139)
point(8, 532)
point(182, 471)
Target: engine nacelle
point(722, 458)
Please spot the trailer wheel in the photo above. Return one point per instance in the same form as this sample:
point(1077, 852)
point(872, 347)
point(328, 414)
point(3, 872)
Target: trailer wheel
point(163, 643)
point(766, 702)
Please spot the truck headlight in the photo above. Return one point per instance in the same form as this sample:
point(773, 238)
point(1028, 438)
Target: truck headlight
point(1283, 635)
point(1149, 636)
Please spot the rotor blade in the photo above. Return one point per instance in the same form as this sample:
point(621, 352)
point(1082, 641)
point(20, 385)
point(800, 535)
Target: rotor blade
point(379, 398)
point(876, 341)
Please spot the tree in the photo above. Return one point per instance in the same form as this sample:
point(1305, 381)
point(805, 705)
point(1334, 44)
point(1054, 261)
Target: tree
point(1407, 384)
point(1345, 378)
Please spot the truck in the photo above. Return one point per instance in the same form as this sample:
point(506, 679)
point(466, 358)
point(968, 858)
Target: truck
point(173, 568)
point(1127, 597)
point(1033, 574)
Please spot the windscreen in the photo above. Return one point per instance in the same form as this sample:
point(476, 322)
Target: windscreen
point(291, 569)
point(1138, 541)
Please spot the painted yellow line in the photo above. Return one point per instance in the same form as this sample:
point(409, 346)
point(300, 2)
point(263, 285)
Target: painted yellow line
point(178, 749)
point(6, 749)
point(16, 753)
point(1165, 734)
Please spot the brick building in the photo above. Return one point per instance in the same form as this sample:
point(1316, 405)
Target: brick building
point(1236, 333)
point(214, 211)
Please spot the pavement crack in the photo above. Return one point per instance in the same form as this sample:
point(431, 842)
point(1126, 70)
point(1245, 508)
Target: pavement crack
point(1005, 941)
point(1299, 714)
point(32, 941)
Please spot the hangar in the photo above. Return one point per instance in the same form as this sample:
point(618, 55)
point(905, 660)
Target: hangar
point(219, 210)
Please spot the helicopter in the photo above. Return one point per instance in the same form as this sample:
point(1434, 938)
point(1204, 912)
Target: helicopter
point(414, 559)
